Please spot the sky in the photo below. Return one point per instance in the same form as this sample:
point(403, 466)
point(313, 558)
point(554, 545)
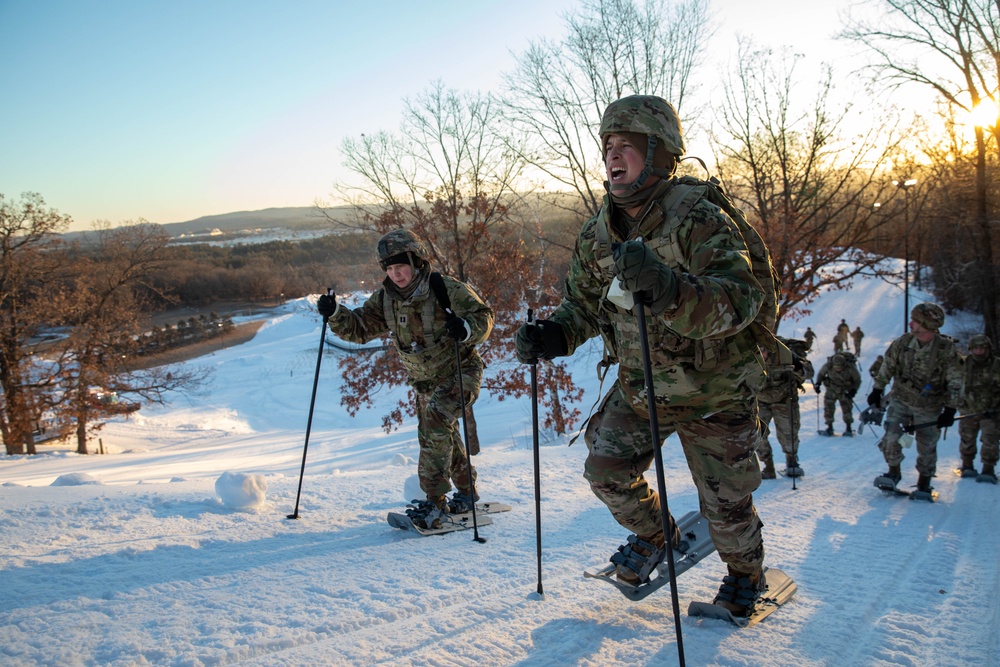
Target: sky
point(149, 555)
point(120, 110)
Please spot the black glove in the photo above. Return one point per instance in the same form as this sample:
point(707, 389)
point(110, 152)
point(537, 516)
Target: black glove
point(458, 328)
point(946, 418)
point(990, 414)
point(640, 270)
point(818, 388)
point(540, 339)
point(797, 363)
point(875, 398)
point(851, 393)
point(327, 305)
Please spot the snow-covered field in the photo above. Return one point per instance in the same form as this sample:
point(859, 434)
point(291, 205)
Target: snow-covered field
point(147, 565)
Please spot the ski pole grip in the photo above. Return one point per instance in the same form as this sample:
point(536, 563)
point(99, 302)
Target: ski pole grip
point(531, 316)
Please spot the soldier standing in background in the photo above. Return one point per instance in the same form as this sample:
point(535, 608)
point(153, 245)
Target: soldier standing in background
point(809, 337)
point(778, 399)
point(979, 402)
point(856, 337)
point(925, 369)
point(842, 381)
point(408, 308)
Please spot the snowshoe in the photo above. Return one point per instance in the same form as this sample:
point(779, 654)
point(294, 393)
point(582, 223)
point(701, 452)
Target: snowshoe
point(828, 431)
point(460, 503)
point(637, 559)
point(739, 593)
point(848, 432)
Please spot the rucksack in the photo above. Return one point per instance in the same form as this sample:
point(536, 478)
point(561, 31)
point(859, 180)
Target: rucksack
point(687, 192)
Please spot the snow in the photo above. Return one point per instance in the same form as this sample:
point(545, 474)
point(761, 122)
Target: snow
point(175, 549)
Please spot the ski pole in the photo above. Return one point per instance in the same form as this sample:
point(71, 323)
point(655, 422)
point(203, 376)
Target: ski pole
point(917, 427)
point(661, 485)
point(793, 418)
point(535, 447)
point(465, 431)
point(312, 404)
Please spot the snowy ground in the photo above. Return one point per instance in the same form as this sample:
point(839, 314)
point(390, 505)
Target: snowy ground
point(148, 566)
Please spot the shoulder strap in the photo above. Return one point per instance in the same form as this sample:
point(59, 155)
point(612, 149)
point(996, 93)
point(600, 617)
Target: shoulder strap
point(440, 291)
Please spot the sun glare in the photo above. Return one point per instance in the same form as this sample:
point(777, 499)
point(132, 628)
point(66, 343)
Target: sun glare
point(986, 113)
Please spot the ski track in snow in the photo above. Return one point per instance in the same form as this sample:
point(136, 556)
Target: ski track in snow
point(150, 568)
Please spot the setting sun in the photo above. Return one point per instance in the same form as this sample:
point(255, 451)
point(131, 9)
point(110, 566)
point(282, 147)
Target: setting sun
point(986, 113)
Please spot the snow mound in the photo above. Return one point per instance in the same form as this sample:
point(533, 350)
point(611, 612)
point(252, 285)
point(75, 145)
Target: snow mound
point(241, 491)
point(75, 479)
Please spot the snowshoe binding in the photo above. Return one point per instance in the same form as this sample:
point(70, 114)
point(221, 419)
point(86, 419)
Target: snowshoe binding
point(428, 513)
point(988, 475)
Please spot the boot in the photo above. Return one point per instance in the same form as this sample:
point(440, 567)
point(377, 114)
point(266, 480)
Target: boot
point(637, 559)
point(849, 432)
point(768, 472)
point(894, 474)
point(739, 592)
point(792, 467)
point(924, 483)
point(968, 468)
point(988, 474)
point(461, 503)
point(828, 430)
point(429, 513)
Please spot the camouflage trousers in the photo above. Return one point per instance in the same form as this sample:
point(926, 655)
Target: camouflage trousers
point(927, 438)
point(969, 428)
point(830, 401)
point(442, 451)
point(786, 425)
point(720, 454)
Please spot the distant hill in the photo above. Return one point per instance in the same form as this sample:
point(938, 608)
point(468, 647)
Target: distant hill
point(248, 223)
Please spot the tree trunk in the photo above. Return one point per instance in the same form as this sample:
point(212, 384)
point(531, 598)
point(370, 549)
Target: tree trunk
point(81, 436)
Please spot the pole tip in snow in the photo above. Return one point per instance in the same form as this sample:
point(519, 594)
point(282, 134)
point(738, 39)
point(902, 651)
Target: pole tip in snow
point(292, 516)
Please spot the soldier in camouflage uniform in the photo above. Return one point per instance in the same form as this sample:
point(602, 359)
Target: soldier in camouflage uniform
point(925, 369)
point(695, 276)
point(778, 399)
point(979, 402)
point(408, 309)
point(842, 381)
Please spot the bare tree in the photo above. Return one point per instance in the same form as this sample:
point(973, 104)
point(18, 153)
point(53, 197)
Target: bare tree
point(953, 48)
point(28, 306)
point(559, 89)
point(105, 315)
point(448, 177)
point(809, 182)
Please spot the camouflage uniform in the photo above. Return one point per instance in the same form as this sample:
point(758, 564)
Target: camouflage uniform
point(842, 381)
point(809, 336)
point(706, 366)
point(925, 379)
point(877, 364)
point(778, 399)
point(840, 339)
point(416, 322)
point(980, 394)
point(856, 337)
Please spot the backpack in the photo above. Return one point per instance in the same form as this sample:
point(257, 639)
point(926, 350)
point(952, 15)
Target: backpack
point(687, 192)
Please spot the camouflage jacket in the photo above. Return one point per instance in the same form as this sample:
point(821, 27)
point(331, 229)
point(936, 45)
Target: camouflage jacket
point(702, 353)
point(980, 385)
point(923, 376)
point(845, 380)
point(417, 327)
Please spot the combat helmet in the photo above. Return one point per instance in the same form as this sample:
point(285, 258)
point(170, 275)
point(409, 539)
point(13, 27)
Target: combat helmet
point(928, 315)
point(839, 360)
point(649, 115)
point(981, 340)
point(401, 246)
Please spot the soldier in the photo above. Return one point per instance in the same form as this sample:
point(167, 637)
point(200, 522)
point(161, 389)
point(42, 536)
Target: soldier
point(778, 399)
point(979, 401)
point(842, 381)
point(877, 364)
point(809, 336)
point(925, 369)
point(856, 337)
point(409, 308)
point(695, 277)
point(840, 339)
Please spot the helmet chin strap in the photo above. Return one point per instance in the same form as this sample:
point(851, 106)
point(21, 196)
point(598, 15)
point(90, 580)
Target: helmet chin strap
point(632, 194)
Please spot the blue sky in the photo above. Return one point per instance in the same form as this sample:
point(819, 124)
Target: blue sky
point(167, 111)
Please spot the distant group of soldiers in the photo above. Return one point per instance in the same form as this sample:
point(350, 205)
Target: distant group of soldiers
point(930, 382)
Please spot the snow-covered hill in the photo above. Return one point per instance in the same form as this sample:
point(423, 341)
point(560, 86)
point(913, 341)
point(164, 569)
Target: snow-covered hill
point(148, 566)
